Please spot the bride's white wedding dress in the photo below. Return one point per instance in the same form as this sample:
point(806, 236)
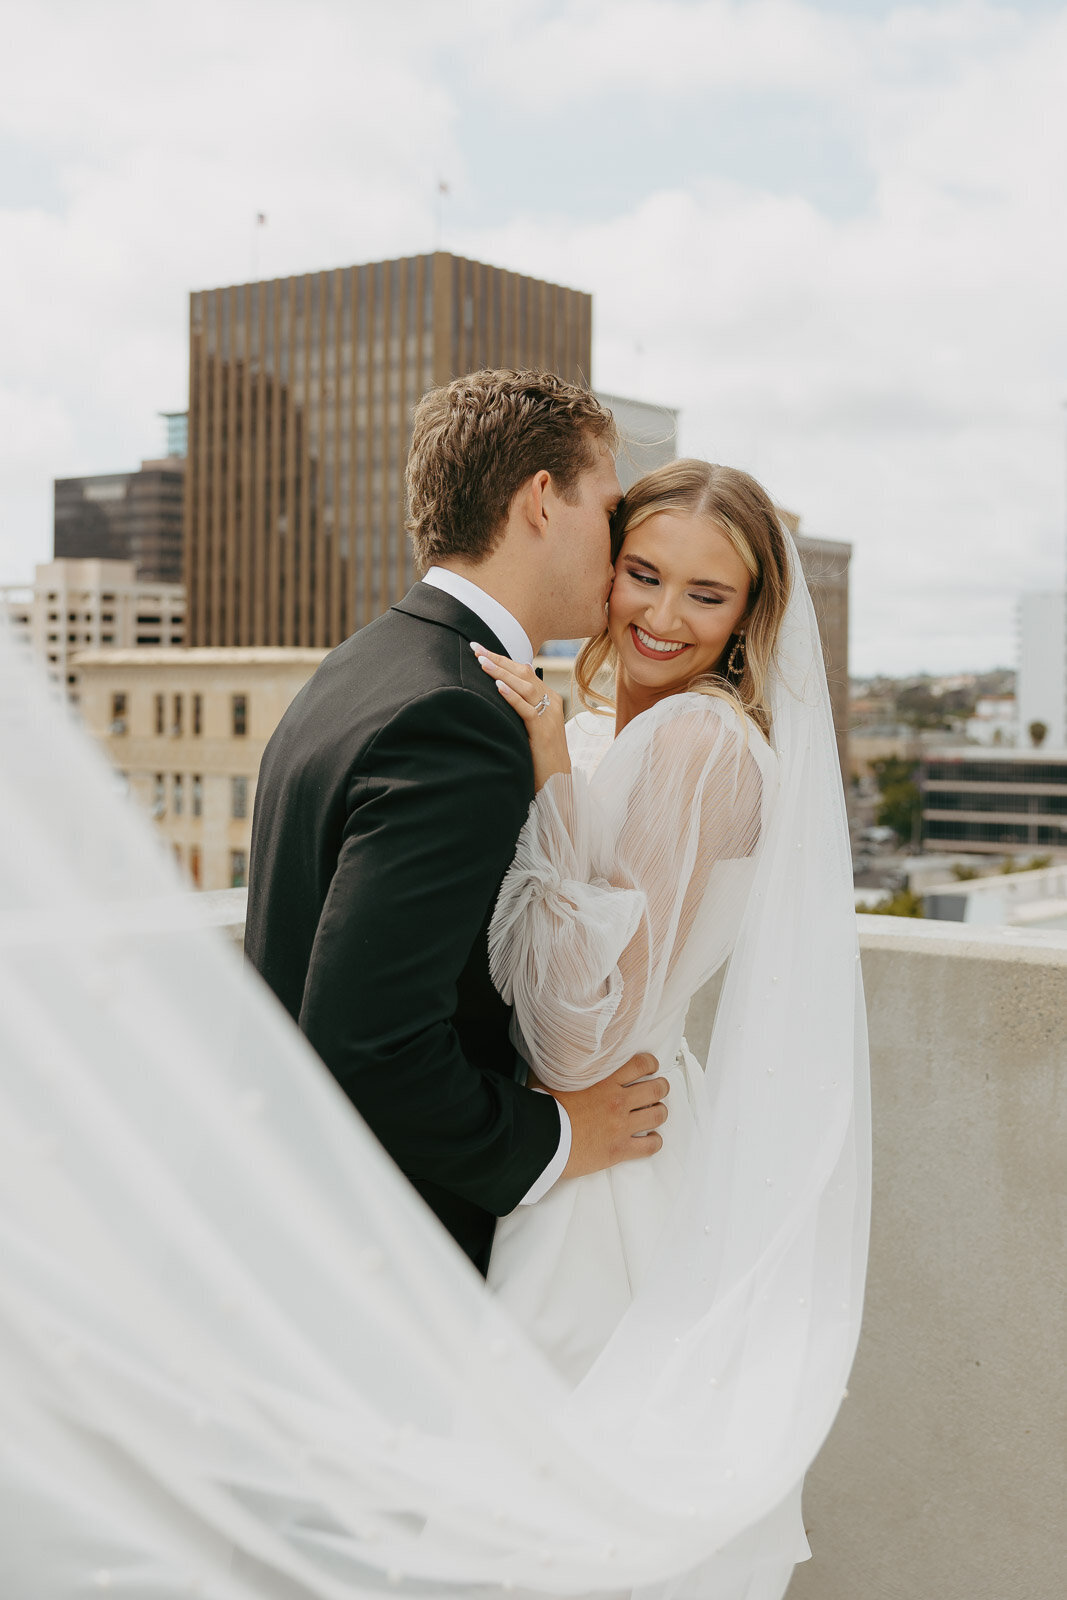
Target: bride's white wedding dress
point(626, 895)
point(239, 1358)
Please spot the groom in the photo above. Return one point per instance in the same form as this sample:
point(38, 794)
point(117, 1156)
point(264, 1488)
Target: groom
point(393, 791)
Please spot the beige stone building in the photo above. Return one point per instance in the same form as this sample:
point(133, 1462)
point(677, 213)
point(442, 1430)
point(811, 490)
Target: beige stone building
point(187, 729)
point(76, 605)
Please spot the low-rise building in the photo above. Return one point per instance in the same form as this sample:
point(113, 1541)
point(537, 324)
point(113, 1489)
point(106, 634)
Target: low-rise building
point(1034, 899)
point(995, 721)
point(73, 606)
point(992, 801)
point(186, 730)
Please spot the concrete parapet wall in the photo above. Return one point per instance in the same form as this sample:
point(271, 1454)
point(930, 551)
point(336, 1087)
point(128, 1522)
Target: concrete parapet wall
point(946, 1473)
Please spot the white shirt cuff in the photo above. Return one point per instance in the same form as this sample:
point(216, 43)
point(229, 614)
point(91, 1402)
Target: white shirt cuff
point(555, 1167)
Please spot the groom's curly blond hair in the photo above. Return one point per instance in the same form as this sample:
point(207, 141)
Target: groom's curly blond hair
point(477, 441)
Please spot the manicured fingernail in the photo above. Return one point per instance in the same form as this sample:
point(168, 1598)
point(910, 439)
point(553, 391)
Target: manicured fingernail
point(502, 686)
point(477, 648)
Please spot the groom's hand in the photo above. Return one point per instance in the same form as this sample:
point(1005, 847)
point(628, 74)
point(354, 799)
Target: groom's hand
point(616, 1119)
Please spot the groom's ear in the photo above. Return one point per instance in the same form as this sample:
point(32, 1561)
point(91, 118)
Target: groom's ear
point(533, 501)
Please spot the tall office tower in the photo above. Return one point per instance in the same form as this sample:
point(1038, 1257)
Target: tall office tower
point(124, 516)
point(825, 563)
point(177, 428)
point(648, 436)
point(301, 393)
point(1041, 688)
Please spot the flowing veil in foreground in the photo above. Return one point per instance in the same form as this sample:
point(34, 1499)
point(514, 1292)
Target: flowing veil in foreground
point(238, 1358)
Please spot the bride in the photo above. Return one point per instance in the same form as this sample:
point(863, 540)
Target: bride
point(238, 1358)
point(633, 870)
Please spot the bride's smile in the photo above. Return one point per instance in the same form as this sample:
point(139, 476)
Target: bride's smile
point(650, 646)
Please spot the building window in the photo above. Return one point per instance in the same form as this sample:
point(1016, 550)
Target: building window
point(194, 865)
point(179, 711)
point(240, 715)
point(177, 794)
point(160, 714)
point(118, 713)
point(239, 797)
point(197, 796)
point(198, 715)
point(159, 796)
point(239, 869)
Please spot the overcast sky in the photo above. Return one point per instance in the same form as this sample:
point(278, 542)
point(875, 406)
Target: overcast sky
point(833, 234)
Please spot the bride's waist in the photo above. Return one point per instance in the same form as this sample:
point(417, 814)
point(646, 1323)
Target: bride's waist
point(667, 1047)
point(667, 1059)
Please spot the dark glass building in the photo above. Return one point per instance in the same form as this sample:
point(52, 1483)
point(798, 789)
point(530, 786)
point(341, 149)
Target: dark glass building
point(301, 393)
point(124, 516)
point(993, 800)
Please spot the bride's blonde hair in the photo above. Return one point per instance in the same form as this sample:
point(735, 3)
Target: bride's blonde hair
point(745, 513)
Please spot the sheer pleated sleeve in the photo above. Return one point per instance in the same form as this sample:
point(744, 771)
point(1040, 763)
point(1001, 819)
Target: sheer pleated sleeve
point(627, 888)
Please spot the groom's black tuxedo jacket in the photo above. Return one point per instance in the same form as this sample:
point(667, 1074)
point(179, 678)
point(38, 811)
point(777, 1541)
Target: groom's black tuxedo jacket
point(389, 802)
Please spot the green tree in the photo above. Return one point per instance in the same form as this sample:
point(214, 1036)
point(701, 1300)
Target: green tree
point(903, 904)
point(1038, 732)
point(1034, 864)
point(899, 808)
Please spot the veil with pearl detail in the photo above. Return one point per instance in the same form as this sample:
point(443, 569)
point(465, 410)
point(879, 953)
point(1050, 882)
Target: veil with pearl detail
point(239, 1358)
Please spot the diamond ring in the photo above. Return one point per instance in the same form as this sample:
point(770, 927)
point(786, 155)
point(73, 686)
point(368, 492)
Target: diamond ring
point(542, 705)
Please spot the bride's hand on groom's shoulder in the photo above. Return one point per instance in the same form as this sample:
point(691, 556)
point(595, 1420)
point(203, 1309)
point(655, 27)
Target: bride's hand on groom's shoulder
point(540, 708)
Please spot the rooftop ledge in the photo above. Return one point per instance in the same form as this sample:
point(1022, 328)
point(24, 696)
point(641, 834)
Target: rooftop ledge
point(225, 908)
point(955, 939)
point(956, 1412)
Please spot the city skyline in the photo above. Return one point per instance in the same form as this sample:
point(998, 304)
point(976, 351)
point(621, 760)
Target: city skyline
point(830, 236)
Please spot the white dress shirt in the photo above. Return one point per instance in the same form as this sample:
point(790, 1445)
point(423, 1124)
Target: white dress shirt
point(513, 637)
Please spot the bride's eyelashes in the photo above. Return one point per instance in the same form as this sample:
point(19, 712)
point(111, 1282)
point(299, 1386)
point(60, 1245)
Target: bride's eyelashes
point(702, 599)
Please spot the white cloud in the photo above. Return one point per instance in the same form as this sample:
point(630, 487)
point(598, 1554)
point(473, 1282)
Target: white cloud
point(893, 372)
point(555, 58)
point(896, 374)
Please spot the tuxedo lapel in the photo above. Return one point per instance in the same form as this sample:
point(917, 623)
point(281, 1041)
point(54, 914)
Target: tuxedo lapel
point(435, 605)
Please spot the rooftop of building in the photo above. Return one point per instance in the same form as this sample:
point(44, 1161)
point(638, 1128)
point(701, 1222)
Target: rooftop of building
point(184, 656)
point(994, 754)
point(612, 399)
point(387, 261)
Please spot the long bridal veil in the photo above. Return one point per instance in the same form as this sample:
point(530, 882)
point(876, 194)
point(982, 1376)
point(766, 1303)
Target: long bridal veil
point(239, 1358)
